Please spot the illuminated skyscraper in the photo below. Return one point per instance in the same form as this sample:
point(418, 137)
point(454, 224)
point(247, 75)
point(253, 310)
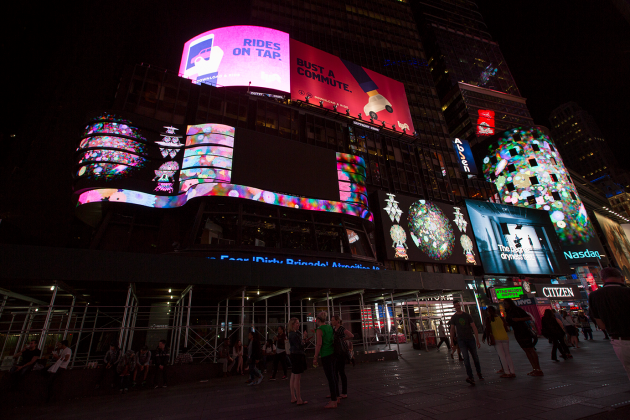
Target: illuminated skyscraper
point(582, 144)
point(381, 36)
point(477, 91)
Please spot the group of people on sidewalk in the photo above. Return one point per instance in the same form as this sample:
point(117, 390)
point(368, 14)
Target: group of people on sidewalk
point(607, 306)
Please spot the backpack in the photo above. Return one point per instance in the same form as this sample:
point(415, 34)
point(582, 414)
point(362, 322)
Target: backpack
point(340, 345)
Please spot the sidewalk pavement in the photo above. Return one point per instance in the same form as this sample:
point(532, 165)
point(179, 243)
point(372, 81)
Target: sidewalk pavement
point(420, 385)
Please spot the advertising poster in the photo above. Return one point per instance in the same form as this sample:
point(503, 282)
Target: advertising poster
point(618, 243)
point(464, 156)
point(557, 292)
point(515, 240)
point(485, 122)
point(238, 56)
point(529, 172)
point(336, 82)
point(425, 231)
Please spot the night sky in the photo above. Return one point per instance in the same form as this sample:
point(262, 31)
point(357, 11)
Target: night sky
point(560, 51)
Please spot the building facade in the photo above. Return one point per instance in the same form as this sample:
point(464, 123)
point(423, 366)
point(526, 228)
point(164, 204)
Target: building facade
point(477, 91)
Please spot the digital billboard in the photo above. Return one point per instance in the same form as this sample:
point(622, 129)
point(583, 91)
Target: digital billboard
point(528, 171)
point(464, 156)
point(485, 122)
point(426, 231)
point(205, 167)
point(617, 242)
point(557, 292)
point(515, 240)
point(238, 56)
point(348, 88)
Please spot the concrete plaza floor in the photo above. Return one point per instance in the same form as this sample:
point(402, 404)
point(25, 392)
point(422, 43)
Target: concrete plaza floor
point(420, 385)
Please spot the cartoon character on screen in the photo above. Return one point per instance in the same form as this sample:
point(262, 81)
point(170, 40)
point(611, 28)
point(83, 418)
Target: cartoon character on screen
point(165, 176)
point(376, 102)
point(170, 143)
point(399, 237)
point(467, 245)
point(203, 61)
point(393, 211)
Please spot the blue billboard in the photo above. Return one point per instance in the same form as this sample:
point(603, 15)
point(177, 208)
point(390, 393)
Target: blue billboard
point(464, 156)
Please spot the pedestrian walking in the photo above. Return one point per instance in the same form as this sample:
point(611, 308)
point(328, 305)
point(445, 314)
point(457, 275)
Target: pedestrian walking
point(570, 328)
point(585, 324)
point(496, 335)
point(609, 309)
point(325, 349)
point(298, 360)
point(342, 355)
point(161, 356)
point(254, 354)
point(237, 356)
point(443, 337)
point(463, 327)
point(553, 330)
point(517, 318)
point(281, 354)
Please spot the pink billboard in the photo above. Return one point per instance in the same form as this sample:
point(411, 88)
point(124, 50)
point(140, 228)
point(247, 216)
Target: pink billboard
point(348, 87)
point(238, 56)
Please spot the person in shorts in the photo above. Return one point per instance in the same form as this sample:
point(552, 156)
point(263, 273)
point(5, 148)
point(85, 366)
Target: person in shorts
point(298, 360)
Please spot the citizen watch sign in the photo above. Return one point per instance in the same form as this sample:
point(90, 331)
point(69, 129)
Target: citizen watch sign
point(558, 292)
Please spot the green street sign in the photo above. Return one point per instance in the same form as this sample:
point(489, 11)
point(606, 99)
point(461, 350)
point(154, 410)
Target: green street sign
point(509, 292)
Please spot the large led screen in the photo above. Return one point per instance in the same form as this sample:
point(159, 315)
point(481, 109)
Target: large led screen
point(209, 167)
point(348, 87)
point(528, 171)
point(617, 242)
point(238, 56)
point(426, 231)
point(515, 240)
point(286, 166)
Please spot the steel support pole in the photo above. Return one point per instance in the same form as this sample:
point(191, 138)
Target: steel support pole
point(173, 329)
point(23, 330)
point(426, 346)
point(242, 323)
point(314, 332)
point(133, 324)
point(128, 315)
point(188, 316)
point(4, 302)
point(216, 332)
point(395, 322)
point(288, 308)
point(253, 318)
point(327, 303)
point(362, 321)
point(180, 320)
point(332, 309)
point(76, 348)
point(42, 338)
point(266, 320)
point(227, 304)
point(124, 320)
point(87, 360)
point(65, 333)
point(302, 316)
point(7, 336)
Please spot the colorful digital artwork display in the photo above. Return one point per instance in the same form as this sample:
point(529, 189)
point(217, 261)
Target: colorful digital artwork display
point(439, 232)
point(108, 155)
point(528, 171)
point(206, 172)
point(238, 56)
point(170, 144)
point(431, 230)
point(515, 240)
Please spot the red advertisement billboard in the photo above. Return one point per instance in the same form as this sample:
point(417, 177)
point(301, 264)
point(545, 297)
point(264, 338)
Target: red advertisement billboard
point(348, 87)
point(485, 122)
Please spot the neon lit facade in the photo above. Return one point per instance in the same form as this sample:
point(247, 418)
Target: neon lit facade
point(206, 172)
point(528, 172)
